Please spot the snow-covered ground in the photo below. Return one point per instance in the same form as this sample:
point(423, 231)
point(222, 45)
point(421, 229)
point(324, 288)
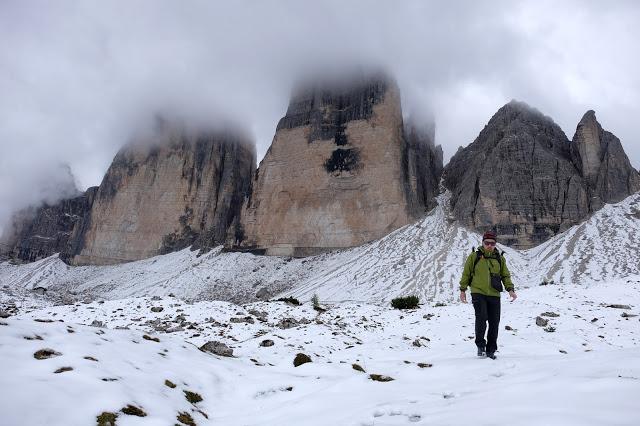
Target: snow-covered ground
point(586, 372)
point(424, 259)
point(582, 368)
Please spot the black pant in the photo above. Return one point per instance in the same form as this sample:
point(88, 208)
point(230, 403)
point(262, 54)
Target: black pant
point(487, 309)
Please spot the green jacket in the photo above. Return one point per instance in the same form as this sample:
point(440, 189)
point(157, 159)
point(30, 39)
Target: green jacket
point(481, 282)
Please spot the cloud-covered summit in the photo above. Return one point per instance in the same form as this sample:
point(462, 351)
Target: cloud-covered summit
point(77, 78)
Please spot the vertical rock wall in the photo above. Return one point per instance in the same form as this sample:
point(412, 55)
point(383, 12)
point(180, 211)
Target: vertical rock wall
point(599, 156)
point(43, 231)
point(182, 190)
point(339, 173)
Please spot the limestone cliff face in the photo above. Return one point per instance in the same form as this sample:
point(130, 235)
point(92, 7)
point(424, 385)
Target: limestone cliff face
point(339, 173)
point(39, 232)
point(517, 178)
point(599, 156)
point(422, 166)
point(183, 190)
point(523, 178)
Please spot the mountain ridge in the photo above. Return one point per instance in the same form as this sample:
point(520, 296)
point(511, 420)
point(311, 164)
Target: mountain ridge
point(424, 259)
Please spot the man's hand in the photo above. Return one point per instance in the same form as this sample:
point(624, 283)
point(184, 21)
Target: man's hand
point(513, 295)
point(463, 296)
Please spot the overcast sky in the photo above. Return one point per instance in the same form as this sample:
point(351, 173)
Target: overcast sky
point(76, 78)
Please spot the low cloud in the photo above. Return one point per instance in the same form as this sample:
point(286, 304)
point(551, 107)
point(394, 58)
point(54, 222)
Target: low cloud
point(77, 78)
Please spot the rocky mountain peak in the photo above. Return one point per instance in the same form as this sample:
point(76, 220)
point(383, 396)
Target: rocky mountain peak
point(180, 188)
point(523, 178)
point(341, 171)
point(587, 146)
point(600, 158)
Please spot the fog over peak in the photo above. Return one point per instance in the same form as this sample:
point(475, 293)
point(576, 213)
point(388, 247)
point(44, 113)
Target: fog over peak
point(78, 78)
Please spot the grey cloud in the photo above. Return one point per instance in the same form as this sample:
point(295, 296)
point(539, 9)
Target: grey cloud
point(78, 78)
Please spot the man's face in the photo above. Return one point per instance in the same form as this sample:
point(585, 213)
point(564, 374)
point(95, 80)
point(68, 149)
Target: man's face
point(489, 244)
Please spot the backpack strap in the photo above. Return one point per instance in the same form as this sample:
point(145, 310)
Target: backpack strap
point(480, 255)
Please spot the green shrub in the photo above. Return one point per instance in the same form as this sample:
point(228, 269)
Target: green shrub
point(107, 419)
point(185, 419)
point(409, 302)
point(192, 397)
point(132, 410)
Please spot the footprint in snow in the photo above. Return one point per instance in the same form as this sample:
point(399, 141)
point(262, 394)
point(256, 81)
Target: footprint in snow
point(396, 414)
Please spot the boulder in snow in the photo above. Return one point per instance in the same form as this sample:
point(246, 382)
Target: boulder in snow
point(217, 348)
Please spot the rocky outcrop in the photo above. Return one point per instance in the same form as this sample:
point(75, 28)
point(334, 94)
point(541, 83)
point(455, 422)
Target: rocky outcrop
point(39, 232)
point(422, 165)
point(177, 190)
point(339, 172)
point(524, 179)
point(599, 156)
point(517, 178)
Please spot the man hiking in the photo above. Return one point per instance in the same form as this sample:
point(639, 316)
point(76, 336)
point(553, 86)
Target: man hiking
point(485, 271)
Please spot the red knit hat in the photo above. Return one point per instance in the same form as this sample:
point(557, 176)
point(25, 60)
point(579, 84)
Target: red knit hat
point(489, 235)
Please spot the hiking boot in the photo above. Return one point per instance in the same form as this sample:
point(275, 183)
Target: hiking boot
point(481, 351)
point(491, 355)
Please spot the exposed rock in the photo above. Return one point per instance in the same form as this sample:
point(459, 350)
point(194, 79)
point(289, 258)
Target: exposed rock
point(45, 354)
point(40, 291)
point(626, 315)
point(261, 315)
point(152, 339)
point(176, 190)
point(541, 322)
point(523, 178)
point(63, 370)
point(263, 294)
point(358, 367)
point(339, 172)
point(618, 306)
point(301, 359)
point(549, 314)
point(380, 378)
point(157, 309)
point(517, 178)
point(424, 164)
point(266, 343)
point(217, 348)
point(4, 314)
point(247, 319)
point(291, 322)
point(289, 300)
point(38, 232)
point(599, 156)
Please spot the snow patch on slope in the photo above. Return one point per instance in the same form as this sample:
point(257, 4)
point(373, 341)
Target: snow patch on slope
point(424, 258)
